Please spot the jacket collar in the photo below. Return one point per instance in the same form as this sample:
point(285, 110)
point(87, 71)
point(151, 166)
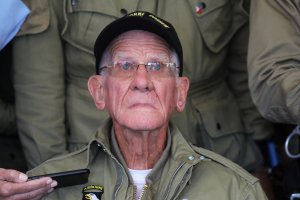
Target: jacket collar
point(176, 146)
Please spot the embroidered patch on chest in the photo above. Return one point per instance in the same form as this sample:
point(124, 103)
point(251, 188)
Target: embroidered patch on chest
point(92, 192)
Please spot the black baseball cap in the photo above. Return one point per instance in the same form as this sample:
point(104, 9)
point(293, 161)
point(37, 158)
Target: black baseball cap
point(139, 20)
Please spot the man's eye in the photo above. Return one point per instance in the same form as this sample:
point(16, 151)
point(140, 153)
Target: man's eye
point(125, 65)
point(154, 66)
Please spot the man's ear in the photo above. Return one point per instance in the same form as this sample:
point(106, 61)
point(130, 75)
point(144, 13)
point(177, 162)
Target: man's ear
point(183, 87)
point(96, 88)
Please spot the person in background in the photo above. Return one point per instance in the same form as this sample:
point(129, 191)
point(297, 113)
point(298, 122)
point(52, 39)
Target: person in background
point(53, 60)
point(137, 153)
point(12, 15)
point(274, 75)
point(274, 59)
point(13, 183)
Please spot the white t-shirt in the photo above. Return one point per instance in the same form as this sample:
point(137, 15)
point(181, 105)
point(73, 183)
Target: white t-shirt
point(139, 179)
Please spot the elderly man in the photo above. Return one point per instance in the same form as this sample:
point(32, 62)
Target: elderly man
point(137, 153)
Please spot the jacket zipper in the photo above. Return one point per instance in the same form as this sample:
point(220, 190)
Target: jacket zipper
point(145, 187)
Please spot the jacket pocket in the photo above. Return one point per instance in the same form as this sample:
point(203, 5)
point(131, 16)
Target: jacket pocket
point(220, 120)
point(222, 131)
point(38, 19)
point(85, 20)
point(219, 21)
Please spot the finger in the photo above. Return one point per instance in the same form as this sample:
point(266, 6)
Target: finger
point(35, 185)
point(11, 175)
point(10, 189)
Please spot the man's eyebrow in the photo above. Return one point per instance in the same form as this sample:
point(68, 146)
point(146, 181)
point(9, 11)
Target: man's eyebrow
point(122, 55)
point(160, 57)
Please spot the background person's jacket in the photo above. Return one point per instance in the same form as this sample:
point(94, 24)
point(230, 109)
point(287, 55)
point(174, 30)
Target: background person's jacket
point(274, 59)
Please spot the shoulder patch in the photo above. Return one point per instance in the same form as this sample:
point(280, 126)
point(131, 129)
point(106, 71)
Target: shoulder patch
point(92, 192)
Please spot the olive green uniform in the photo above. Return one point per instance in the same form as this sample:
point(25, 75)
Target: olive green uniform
point(274, 57)
point(54, 58)
point(182, 172)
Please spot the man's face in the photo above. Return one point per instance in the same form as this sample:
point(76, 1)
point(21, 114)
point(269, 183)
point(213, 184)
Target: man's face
point(143, 101)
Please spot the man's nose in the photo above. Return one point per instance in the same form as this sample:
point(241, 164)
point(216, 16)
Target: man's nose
point(142, 79)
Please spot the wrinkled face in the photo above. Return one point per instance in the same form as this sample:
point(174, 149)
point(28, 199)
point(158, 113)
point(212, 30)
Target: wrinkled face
point(143, 101)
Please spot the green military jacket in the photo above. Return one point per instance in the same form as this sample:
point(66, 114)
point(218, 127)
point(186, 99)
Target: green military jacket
point(274, 57)
point(53, 58)
point(183, 172)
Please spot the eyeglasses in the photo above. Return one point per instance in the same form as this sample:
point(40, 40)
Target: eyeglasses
point(128, 69)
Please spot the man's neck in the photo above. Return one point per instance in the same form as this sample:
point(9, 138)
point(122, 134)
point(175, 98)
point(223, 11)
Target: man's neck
point(141, 149)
